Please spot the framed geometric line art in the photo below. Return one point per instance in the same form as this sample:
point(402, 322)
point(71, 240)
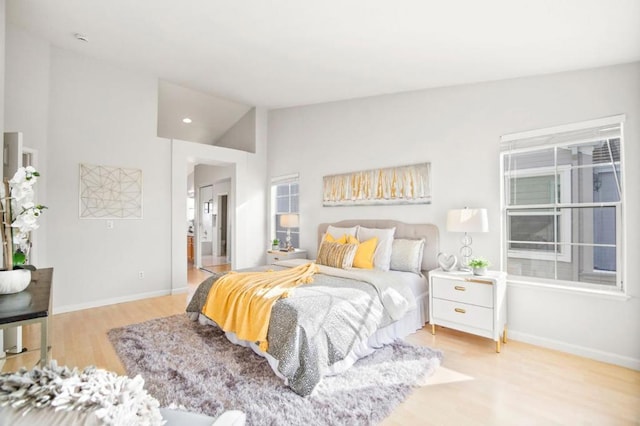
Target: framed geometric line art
point(110, 192)
point(387, 186)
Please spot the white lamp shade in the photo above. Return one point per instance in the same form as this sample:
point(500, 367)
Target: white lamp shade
point(289, 221)
point(467, 220)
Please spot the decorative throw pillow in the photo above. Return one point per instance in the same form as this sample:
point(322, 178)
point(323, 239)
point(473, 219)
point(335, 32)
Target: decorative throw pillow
point(334, 230)
point(336, 255)
point(331, 239)
point(406, 255)
point(364, 253)
point(382, 256)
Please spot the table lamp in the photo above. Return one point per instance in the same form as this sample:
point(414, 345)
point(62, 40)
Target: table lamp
point(467, 220)
point(289, 221)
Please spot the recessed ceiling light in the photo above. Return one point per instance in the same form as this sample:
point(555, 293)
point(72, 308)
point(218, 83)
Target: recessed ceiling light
point(81, 37)
point(186, 120)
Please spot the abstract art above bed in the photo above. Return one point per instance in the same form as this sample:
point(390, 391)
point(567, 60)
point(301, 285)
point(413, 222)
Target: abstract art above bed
point(392, 185)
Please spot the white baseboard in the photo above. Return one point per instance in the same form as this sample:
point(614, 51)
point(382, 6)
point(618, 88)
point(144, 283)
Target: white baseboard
point(596, 354)
point(179, 290)
point(104, 302)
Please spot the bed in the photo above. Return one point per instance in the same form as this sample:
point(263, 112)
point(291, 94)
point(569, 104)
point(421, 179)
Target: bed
point(324, 327)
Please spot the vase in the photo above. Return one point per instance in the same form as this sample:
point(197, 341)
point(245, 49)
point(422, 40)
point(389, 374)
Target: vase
point(480, 271)
point(14, 281)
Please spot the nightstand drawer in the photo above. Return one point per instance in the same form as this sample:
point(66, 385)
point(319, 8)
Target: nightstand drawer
point(276, 255)
point(463, 313)
point(475, 293)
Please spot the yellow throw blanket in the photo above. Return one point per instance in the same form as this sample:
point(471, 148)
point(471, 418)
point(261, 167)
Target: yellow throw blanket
point(241, 302)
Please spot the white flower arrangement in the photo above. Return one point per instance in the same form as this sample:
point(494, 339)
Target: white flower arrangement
point(20, 216)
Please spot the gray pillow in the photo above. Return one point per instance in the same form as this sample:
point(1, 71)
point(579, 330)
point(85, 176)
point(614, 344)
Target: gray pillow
point(406, 255)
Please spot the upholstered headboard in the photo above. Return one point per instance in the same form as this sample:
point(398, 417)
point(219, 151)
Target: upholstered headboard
point(403, 230)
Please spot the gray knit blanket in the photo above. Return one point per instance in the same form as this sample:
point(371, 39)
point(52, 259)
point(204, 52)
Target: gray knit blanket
point(317, 326)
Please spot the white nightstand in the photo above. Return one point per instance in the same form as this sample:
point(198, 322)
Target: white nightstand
point(276, 255)
point(470, 303)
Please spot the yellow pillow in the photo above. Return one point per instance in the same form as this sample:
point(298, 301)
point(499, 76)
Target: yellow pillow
point(364, 253)
point(342, 240)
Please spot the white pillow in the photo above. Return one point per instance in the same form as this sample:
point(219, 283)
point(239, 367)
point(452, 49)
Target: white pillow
point(337, 232)
point(382, 255)
point(407, 255)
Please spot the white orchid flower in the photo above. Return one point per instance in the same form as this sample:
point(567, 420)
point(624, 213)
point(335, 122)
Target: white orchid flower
point(24, 211)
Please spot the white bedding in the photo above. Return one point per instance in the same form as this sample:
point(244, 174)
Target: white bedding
point(395, 286)
point(397, 297)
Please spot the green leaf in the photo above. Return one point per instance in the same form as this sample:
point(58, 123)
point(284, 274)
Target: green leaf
point(19, 258)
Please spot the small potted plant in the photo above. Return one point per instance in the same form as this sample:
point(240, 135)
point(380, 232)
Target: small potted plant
point(275, 244)
point(479, 265)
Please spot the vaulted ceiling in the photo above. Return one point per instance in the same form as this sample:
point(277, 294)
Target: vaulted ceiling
point(282, 53)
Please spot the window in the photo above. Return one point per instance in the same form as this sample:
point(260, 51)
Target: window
point(284, 200)
point(562, 203)
point(533, 230)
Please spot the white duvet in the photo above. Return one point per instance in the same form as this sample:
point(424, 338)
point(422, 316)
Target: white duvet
point(395, 295)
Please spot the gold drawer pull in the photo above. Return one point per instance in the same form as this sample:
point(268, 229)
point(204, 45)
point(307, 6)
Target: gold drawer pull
point(460, 288)
point(475, 280)
point(460, 310)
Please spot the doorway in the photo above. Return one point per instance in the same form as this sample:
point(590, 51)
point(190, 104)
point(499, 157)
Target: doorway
point(184, 155)
point(213, 233)
point(206, 225)
point(222, 227)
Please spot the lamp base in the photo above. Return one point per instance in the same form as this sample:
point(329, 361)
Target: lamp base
point(465, 253)
point(289, 246)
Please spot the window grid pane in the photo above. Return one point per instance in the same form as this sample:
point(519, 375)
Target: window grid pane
point(578, 240)
point(285, 201)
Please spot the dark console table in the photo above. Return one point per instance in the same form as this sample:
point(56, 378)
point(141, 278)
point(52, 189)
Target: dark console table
point(32, 305)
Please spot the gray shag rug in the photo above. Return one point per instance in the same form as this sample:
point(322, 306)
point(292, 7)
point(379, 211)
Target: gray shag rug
point(195, 366)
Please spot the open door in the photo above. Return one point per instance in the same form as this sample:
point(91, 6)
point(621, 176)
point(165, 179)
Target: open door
point(223, 211)
point(206, 227)
point(11, 338)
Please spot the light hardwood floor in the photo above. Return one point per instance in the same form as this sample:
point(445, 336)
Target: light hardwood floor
point(524, 384)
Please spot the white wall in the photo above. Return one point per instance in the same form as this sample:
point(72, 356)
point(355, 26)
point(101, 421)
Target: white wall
point(211, 115)
point(207, 175)
point(242, 135)
point(76, 109)
point(101, 114)
point(457, 129)
point(27, 111)
point(2, 69)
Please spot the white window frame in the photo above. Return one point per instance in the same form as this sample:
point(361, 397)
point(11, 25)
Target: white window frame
point(548, 138)
point(275, 181)
point(564, 254)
